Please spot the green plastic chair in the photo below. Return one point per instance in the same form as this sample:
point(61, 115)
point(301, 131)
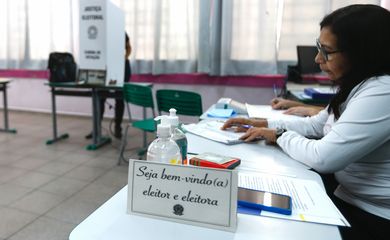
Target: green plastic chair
point(185, 102)
point(140, 95)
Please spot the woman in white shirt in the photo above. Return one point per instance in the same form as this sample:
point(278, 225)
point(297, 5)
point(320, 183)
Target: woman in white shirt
point(351, 137)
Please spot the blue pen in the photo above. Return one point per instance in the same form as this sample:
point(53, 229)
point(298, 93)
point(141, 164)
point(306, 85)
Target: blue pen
point(275, 91)
point(246, 126)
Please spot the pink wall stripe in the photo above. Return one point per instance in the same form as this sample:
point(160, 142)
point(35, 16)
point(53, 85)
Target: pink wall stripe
point(192, 79)
point(23, 73)
point(204, 79)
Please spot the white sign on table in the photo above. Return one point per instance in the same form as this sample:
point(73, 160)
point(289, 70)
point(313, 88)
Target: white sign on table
point(198, 196)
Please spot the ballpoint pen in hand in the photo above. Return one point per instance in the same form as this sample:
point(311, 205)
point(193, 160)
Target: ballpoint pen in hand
point(275, 91)
point(246, 126)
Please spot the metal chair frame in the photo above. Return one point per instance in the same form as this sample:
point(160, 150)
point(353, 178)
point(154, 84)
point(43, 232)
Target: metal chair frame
point(139, 95)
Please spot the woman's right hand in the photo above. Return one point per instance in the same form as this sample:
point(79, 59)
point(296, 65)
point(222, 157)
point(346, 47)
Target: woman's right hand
point(242, 124)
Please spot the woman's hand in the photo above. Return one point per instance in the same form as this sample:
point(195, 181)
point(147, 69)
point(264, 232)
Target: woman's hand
point(260, 133)
point(280, 103)
point(303, 111)
point(243, 124)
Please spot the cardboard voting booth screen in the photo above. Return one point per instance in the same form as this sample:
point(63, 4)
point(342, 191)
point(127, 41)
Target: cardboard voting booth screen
point(192, 195)
point(102, 42)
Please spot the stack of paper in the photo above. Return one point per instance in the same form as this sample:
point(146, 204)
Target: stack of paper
point(310, 202)
point(212, 130)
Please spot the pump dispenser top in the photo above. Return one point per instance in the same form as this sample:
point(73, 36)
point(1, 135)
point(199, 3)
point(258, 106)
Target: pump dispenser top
point(177, 135)
point(164, 128)
point(173, 118)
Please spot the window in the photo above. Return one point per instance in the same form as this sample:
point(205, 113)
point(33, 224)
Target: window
point(221, 37)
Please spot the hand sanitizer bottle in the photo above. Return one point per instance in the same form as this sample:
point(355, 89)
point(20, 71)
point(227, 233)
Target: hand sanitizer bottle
point(163, 149)
point(178, 135)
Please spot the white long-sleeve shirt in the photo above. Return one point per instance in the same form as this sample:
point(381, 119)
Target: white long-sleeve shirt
point(356, 146)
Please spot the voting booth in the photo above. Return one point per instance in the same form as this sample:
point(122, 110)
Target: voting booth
point(102, 42)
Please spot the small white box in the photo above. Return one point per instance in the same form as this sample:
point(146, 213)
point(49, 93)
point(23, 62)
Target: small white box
point(228, 103)
point(223, 103)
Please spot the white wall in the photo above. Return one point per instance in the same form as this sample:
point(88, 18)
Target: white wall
point(33, 95)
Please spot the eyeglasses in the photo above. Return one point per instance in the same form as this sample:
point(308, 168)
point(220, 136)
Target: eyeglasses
point(325, 54)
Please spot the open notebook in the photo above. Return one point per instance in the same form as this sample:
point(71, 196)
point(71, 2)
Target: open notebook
point(211, 129)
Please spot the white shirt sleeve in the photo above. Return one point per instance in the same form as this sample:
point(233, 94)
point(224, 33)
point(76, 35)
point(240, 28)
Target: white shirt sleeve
point(362, 127)
point(309, 126)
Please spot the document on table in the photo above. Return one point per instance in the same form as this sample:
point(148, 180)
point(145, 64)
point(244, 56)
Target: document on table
point(266, 111)
point(211, 129)
point(310, 202)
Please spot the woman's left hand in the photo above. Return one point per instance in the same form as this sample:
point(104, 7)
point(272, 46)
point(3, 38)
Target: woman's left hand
point(255, 133)
point(302, 111)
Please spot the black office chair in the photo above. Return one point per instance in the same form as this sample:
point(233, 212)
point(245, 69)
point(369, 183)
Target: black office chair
point(306, 64)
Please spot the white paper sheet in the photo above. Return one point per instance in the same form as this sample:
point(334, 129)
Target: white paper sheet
point(326, 90)
point(266, 111)
point(310, 202)
point(211, 129)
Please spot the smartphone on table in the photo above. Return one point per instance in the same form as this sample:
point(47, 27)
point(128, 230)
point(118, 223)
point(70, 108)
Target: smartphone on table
point(265, 201)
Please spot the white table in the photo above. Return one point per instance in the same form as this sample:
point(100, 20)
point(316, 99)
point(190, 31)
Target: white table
point(110, 221)
point(257, 155)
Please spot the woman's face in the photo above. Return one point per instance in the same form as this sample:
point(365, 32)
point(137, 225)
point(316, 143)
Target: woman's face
point(337, 64)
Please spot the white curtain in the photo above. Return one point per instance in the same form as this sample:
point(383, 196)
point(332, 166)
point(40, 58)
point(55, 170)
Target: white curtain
point(300, 23)
point(164, 35)
point(31, 29)
point(222, 37)
point(248, 36)
point(13, 33)
point(218, 37)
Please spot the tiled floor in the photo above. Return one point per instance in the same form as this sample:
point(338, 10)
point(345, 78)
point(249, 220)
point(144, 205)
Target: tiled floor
point(47, 190)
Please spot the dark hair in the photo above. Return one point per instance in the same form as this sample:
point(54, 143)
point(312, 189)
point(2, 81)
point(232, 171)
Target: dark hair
point(363, 34)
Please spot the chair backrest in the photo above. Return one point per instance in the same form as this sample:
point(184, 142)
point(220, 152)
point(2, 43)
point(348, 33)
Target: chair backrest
point(306, 63)
point(139, 95)
point(185, 102)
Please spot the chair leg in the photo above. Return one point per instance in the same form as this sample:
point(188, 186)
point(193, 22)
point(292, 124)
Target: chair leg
point(145, 144)
point(144, 148)
point(123, 146)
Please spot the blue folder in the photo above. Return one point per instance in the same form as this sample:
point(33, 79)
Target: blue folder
point(221, 113)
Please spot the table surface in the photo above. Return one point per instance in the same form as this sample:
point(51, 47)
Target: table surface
point(4, 80)
point(111, 221)
point(257, 155)
point(90, 86)
point(81, 85)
